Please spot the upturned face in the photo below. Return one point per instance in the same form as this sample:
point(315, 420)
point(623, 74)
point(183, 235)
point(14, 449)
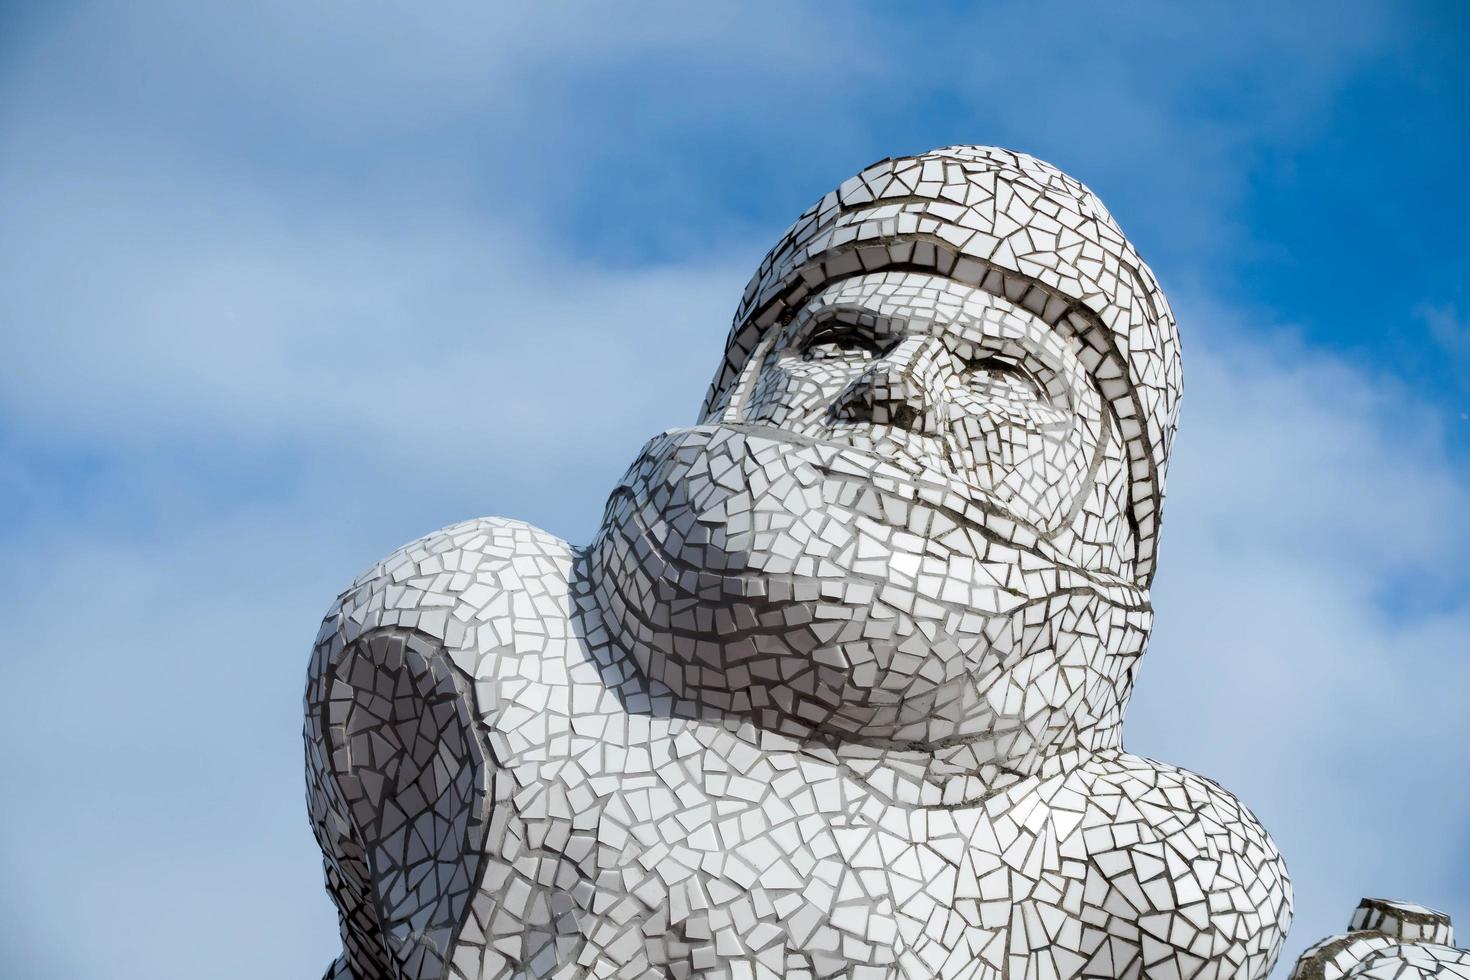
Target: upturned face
point(960, 387)
point(912, 520)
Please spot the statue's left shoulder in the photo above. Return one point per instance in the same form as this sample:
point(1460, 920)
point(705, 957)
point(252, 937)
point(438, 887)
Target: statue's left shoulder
point(1388, 940)
point(1207, 880)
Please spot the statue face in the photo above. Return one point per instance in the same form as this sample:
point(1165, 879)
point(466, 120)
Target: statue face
point(959, 386)
point(917, 508)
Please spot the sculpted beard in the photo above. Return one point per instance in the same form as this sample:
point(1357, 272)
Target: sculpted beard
point(822, 588)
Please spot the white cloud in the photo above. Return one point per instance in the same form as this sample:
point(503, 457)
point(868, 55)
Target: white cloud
point(1313, 614)
point(160, 309)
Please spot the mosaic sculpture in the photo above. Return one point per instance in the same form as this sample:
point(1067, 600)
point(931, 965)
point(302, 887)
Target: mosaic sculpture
point(837, 689)
point(1388, 941)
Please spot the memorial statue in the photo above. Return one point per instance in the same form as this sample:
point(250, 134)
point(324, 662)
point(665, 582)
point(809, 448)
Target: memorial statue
point(1388, 941)
point(837, 689)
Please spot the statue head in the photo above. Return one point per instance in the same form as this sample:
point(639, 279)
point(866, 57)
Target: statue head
point(922, 503)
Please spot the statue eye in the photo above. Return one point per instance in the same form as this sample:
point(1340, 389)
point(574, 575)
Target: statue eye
point(999, 377)
point(839, 343)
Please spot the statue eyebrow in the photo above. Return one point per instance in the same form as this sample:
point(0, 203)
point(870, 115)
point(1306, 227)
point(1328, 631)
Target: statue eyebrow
point(855, 317)
point(968, 334)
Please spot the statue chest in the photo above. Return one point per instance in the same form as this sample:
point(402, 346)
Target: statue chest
point(697, 851)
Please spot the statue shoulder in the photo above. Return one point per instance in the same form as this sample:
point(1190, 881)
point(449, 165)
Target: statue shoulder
point(404, 724)
point(464, 585)
point(1387, 940)
point(1190, 856)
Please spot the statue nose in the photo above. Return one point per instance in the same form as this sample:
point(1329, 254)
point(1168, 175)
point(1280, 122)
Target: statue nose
point(900, 389)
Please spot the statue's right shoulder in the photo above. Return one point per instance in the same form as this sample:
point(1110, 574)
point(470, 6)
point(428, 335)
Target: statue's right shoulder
point(429, 673)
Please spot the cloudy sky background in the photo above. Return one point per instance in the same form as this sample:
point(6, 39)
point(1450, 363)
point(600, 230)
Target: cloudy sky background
point(284, 285)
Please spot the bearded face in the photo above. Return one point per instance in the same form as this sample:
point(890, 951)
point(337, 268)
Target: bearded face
point(916, 509)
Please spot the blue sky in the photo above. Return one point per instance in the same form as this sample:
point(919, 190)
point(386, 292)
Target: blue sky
point(284, 285)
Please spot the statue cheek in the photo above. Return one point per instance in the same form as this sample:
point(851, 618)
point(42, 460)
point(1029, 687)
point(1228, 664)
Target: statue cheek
point(797, 395)
point(1047, 478)
point(1035, 463)
point(768, 395)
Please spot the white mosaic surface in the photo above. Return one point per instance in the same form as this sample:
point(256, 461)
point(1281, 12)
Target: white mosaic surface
point(837, 690)
point(1388, 940)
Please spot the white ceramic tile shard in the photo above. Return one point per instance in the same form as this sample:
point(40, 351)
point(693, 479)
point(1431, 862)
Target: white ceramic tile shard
point(837, 689)
point(1388, 940)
